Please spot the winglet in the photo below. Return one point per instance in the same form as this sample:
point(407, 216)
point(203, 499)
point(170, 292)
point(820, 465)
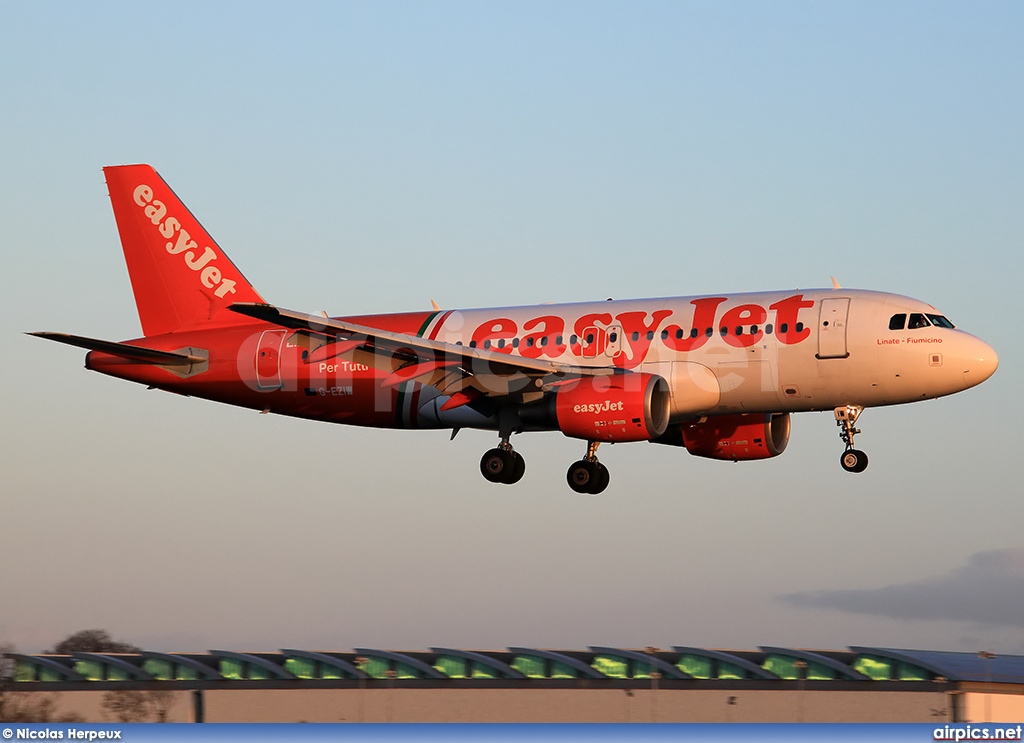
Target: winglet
point(835, 284)
point(435, 306)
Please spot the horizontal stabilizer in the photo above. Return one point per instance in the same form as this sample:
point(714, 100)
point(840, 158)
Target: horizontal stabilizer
point(124, 350)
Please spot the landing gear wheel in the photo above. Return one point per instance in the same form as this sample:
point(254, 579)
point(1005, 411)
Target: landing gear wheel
point(496, 464)
point(854, 460)
point(587, 477)
point(517, 470)
point(579, 476)
point(503, 465)
point(602, 479)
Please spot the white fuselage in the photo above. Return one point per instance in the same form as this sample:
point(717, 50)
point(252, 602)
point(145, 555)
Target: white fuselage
point(757, 352)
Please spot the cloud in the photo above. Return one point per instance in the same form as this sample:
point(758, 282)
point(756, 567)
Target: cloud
point(988, 589)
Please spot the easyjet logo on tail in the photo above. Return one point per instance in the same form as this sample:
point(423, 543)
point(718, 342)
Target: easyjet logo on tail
point(203, 263)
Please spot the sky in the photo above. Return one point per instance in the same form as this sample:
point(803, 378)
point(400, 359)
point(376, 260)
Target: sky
point(362, 157)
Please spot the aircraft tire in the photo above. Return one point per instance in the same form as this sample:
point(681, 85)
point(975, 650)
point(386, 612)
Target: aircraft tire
point(579, 476)
point(601, 479)
point(516, 470)
point(586, 477)
point(496, 465)
point(854, 460)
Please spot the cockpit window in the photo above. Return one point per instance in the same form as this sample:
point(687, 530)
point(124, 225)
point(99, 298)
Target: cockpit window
point(898, 322)
point(940, 321)
point(917, 320)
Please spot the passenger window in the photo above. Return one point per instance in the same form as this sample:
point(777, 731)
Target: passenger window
point(898, 322)
point(917, 320)
point(650, 335)
point(768, 329)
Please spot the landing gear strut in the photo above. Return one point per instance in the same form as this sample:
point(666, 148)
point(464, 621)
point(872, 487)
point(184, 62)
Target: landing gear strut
point(588, 475)
point(853, 460)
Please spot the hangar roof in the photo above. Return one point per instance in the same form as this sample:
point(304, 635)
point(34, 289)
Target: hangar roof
point(680, 663)
point(1007, 669)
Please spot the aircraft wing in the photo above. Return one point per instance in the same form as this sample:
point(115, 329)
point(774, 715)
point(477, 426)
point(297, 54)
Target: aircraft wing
point(462, 372)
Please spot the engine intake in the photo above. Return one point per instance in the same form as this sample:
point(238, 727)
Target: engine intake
point(621, 407)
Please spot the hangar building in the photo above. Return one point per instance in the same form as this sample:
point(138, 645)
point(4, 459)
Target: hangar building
point(600, 684)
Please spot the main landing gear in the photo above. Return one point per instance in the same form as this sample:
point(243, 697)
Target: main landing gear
point(588, 475)
point(853, 460)
point(505, 465)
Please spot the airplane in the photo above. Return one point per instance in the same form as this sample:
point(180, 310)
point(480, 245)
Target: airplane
point(717, 375)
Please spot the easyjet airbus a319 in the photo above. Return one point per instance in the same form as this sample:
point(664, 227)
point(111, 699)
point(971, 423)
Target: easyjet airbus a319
point(716, 375)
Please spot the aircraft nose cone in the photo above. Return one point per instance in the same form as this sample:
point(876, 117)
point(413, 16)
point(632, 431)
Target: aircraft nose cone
point(979, 361)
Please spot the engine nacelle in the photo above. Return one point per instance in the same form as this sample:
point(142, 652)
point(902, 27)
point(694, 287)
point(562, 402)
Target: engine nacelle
point(621, 407)
point(737, 437)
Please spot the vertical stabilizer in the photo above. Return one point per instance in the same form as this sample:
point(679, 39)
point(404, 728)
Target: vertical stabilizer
point(180, 276)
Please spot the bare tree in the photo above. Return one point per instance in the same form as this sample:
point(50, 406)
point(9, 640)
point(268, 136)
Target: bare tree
point(92, 641)
point(126, 706)
point(138, 706)
point(160, 703)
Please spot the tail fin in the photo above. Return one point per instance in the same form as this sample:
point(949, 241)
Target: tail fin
point(179, 275)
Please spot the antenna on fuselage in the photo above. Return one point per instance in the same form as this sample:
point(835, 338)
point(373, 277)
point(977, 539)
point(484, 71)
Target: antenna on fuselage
point(835, 284)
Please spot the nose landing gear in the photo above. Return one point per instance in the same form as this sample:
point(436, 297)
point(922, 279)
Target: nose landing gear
point(852, 460)
point(588, 475)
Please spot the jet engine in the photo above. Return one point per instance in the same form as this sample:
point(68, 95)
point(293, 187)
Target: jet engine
point(733, 437)
point(621, 407)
